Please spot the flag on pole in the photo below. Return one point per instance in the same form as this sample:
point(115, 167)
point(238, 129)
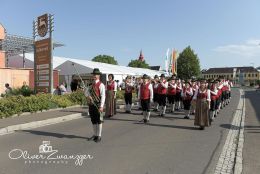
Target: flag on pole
point(167, 61)
point(174, 60)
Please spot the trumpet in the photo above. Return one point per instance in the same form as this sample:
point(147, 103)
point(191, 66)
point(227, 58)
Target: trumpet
point(92, 98)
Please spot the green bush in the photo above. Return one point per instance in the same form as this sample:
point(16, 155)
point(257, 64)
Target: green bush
point(19, 104)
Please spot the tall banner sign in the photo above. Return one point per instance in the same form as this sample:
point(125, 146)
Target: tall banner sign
point(43, 65)
point(43, 68)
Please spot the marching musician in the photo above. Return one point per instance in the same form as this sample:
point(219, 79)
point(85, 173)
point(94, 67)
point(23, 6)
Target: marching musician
point(155, 92)
point(195, 87)
point(162, 90)
point(96, 104)
point(202, 98)
point(213, 99)
point(111, 96)
point(145, 94)
point(186, 98)
point(129, 87)
point(171, 93)
point(178, 94)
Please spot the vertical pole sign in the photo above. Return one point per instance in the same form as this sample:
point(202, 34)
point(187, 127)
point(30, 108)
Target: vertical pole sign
point(43, 64)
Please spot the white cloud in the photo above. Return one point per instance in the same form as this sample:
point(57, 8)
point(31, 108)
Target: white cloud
point(249, 49)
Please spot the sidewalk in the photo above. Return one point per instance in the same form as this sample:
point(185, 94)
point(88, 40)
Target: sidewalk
point(11, 124)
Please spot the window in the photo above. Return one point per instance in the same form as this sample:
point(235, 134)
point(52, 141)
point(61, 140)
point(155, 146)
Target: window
point(237, 75)
point(248, 75)
point(231, 75)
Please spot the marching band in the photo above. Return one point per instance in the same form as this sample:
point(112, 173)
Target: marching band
point(201, 98)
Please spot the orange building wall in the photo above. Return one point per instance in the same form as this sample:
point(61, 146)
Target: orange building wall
point(16, 77)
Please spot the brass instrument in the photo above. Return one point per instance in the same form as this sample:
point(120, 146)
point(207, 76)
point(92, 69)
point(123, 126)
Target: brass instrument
point(92, 98)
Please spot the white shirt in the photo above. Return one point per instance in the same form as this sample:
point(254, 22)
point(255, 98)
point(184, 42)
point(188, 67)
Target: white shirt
point(165, 85)
point(189, 92)
point(150, 87)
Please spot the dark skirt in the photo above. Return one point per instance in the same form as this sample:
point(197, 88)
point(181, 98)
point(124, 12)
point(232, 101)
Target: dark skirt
point(213, 105)
point(202, 113)
point(110, 103)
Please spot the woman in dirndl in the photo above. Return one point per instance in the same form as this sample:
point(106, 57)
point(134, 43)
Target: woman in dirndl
point(202, 98)
point(111, 96)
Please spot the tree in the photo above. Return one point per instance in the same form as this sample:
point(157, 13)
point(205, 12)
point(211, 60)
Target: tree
point(138, 64)
point(188, 64)
point(105, 59)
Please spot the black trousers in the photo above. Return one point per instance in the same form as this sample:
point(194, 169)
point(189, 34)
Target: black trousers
point(145, 105)
point(171, 99)
point(128, 98)
point(213, 105)
point(187, 104)
point(94, 114)
point(162, 100)
point(178, 97)
point(155, 97)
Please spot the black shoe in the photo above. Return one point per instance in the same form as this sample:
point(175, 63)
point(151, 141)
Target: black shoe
point(98, 139)
point(188, 117)
point(202, 128)
point(163, 115)
point(145, 121)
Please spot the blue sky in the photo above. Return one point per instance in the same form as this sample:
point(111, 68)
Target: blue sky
point(221, 32)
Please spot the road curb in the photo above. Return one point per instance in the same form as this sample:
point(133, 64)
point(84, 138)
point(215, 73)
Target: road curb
point(35, 124)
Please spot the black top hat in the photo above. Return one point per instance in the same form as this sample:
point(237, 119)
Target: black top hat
point(162, 75)
point(96, 71)
point(145, 76)
point(156, 76)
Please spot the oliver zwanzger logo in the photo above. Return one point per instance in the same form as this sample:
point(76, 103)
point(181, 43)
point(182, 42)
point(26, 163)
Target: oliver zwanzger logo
point(47, 155)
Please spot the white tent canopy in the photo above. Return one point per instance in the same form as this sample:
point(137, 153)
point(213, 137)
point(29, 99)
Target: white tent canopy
point(58, 62)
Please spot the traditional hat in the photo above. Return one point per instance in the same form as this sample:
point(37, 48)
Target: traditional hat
point(96, 71)
point(156, 76)
point(162, 75)
point(128, 77)
point(145, 76)
point(203, 81)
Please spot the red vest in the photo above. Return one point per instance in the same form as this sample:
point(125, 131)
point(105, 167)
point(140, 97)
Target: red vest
point(161, 89)
point(171, 90)
point(177, 88)
point(212, 96)
point(155, 90)
point(202, 95)
point(128, 88)
point(186, 95)
point(145, 92)
point(111, 86)
point(96, 88)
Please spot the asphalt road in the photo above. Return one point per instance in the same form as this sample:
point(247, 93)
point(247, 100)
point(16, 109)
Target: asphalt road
point(167, 145)
point(251, 150)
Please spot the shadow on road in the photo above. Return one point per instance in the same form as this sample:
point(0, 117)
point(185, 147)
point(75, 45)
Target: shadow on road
point(52, 134)
point(171, 126)
point(229, 126)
